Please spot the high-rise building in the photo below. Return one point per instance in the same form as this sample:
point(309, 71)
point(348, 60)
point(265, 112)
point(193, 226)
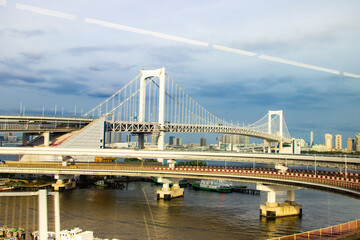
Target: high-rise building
point(349, 145)
point(202, 142)
point(338, 142)
point(357, 142)
point(234, 139)
point(177, 141)
point(311, 138)
point(171, 140)
point(328, 141)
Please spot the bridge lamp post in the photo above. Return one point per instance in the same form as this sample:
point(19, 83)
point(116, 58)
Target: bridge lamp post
point(345, 167)
point(315, 163)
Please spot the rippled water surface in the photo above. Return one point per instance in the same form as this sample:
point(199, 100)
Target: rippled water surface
point(135, 213)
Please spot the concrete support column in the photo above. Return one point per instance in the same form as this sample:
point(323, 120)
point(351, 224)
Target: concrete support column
point(272, 209)
point(166, 186)
point(271, 197)
point(46, 136)
point(171, 163)
point(43, 218)
point(168, 193)
point(118, 137)
point(290, 197)
point(24, 138)
point(141, 137)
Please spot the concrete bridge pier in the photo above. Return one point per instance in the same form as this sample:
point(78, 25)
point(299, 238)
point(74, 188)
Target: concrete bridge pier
point(24, 138)
point(272, 209)
point(63, 183)
point(46, 136)
point(141, 140)
point(171, 163)
point(168, 193)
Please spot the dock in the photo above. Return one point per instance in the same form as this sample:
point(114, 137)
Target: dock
point(246, 190)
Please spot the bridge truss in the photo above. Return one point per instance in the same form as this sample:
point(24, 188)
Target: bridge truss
point(153, 102)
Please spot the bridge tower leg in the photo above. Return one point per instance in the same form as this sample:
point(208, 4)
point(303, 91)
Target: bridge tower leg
point(161, 120)
point(272, 209)
point(281, 131)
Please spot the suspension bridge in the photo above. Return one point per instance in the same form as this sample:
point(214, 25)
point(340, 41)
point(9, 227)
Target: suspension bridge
point(153, 103)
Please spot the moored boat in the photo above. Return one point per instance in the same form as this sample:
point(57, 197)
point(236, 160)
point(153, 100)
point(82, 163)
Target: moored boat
point(73, 234)
point(213, 185)
point(101, 183)
point(6, 188)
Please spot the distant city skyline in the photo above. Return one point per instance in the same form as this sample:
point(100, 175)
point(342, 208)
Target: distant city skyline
point(301, 57)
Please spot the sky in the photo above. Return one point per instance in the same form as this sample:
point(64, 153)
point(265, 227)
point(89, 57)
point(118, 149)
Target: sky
point(236, 58)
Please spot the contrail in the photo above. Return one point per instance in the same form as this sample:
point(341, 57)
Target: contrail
point(304, 65)
point(145, 32)
point(351, 75)
point(44, 11)
point(176, 38)
point(233, 50)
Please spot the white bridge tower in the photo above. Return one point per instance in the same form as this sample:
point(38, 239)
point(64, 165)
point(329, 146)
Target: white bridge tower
point(146, 75)
point(281, 131)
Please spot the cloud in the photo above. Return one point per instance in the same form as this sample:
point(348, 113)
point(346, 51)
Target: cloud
point(32, 56)
point(100, 67)
point(19, 79)
point(23, 33)
point(101, 92)
point(64, 87)
point(83, 50)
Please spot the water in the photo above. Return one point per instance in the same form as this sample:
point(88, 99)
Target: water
point(135, 213)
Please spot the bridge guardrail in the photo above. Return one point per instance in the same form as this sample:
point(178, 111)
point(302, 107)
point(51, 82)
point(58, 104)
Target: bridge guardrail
point(45, 115)
point(333, 232)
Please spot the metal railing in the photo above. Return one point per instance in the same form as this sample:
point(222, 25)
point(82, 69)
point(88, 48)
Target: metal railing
point(333, 232)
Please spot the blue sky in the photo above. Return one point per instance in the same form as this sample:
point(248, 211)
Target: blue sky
point(57, 53)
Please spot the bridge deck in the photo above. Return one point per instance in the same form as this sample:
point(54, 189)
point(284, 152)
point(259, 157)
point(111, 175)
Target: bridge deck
point(349, 184)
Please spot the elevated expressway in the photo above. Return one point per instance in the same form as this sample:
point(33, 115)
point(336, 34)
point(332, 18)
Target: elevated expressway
point(343, 161)
point(38, 124)
point(345, 184)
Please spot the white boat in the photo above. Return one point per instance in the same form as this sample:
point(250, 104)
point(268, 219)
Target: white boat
point(213, 185)
point(101, 183)
point(73, 234)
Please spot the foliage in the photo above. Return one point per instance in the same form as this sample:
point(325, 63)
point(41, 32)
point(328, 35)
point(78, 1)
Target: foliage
point(138, 160)
point(192, 163)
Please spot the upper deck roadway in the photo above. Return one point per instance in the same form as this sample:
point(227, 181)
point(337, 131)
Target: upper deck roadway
point(31, 124)
point(341, 161)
